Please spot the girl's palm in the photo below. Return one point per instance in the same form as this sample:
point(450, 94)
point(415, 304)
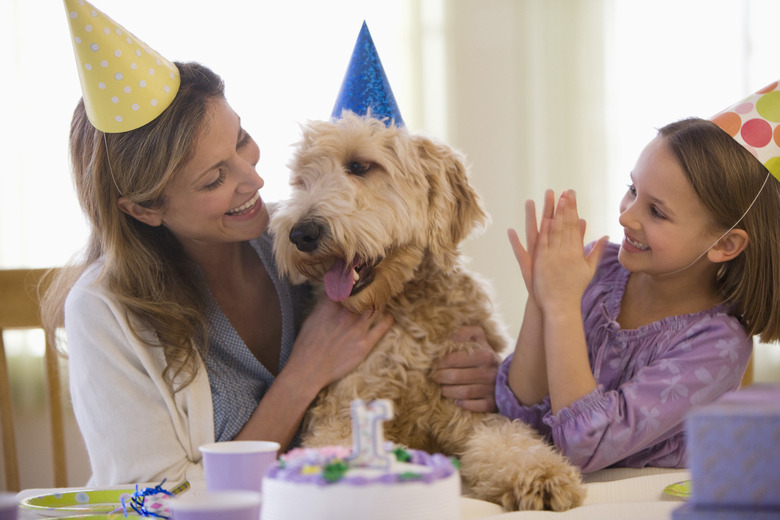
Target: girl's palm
point(562, 270)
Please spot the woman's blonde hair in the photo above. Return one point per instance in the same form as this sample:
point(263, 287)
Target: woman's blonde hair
point(144, 267)
point(727, 178)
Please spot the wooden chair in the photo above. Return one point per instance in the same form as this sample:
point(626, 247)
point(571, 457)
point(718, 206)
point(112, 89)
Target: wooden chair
point(19, 309)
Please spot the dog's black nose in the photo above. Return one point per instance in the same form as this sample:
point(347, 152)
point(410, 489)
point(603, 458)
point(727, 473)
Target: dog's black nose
point(306, 235)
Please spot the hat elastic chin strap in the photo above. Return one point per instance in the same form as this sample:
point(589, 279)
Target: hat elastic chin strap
point(724, 234)
point(110, 169)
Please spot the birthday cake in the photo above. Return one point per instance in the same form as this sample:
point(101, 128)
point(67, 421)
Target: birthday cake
point(374, 479)
point(319, 483)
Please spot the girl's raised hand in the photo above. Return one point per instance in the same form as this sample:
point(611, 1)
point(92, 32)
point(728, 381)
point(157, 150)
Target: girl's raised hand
point(525, 256)
point(561, 269)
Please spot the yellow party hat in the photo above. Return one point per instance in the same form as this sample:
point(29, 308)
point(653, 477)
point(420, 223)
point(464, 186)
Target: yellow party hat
point(125, 83)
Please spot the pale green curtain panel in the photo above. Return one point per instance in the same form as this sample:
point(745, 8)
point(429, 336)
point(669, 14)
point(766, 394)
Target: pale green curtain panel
point(537, 93)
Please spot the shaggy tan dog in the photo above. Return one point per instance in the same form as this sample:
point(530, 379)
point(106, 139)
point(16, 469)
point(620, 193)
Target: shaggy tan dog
point(376, 215)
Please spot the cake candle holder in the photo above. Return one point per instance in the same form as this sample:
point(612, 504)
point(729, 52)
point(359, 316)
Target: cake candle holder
point(368, 438)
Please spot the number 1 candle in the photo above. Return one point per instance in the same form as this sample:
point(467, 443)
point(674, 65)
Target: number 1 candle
point(368, 438)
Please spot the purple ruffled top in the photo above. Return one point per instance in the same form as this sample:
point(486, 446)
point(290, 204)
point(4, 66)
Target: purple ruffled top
point(648, 380)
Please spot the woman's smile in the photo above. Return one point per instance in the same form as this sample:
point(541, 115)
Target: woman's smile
point(249, 206)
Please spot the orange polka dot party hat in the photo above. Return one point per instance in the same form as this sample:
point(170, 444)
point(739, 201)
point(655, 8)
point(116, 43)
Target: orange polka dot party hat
point(754, 122)
point(125, 83)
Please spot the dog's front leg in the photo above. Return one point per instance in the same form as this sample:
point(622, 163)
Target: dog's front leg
point(328, 422)
point(507, 463)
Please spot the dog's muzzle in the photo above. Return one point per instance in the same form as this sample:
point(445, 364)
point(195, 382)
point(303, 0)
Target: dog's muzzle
point(306, 235)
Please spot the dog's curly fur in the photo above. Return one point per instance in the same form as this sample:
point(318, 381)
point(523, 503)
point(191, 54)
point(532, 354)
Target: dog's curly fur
point(397, 206)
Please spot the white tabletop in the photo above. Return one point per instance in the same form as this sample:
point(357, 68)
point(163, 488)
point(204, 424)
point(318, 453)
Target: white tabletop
point(617, 494)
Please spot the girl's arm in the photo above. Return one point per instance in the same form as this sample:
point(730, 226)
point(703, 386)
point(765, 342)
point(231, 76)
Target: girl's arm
point(332, 342)
point(562, 271)
point(641, 422)
point(527, 375)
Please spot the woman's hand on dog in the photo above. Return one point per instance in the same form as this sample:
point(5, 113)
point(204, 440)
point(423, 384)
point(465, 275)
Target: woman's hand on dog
point(469, 376)
point(333, 341)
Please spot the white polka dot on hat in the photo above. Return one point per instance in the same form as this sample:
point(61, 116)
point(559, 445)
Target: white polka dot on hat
point(125, 83)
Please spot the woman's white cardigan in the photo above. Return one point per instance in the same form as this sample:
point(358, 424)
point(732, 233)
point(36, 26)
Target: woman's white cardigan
point(115, 379)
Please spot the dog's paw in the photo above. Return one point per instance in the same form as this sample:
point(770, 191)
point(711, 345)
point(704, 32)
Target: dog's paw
point(556, 488)
point(508, 464)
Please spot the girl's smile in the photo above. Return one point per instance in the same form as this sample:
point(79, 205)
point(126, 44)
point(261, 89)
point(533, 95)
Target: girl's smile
point(634, 246)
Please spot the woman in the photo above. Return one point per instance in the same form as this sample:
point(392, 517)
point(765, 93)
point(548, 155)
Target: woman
point(178, 270)
point(180, 331)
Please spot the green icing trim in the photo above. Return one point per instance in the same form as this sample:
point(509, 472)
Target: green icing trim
point(401, 455)
point(455, 462)
point(335, 471)
point(409, 475)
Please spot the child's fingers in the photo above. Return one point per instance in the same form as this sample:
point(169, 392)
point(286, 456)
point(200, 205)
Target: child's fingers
point(523, 257)
point(517, 247)
point(549, 204)
point(531, 227)
point(594, 256)
point(549, 235)
point(571, 224)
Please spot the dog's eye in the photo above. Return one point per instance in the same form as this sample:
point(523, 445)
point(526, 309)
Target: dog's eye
point(358, 167)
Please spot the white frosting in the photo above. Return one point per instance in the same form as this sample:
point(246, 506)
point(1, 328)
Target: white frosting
point(425, 487)
point(438, 500)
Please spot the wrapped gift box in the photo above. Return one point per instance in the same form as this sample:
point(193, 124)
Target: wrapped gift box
point(694, 512)
point(734, 451)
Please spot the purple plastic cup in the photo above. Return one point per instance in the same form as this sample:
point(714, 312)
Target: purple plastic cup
point(9, 506)
point(237, 465)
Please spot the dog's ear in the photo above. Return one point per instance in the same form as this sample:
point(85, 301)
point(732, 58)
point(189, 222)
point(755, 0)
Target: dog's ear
point(454, 207)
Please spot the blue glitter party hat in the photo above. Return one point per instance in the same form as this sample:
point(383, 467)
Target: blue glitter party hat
point(365, 85)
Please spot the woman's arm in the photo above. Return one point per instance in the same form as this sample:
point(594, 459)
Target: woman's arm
point(469, 377)
point(332, 342)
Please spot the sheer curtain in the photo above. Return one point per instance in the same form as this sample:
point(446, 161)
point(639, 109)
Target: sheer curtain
point(537, 93)
point(526, 102)
point(565, 94)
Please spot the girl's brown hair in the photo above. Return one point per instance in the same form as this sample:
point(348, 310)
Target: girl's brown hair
point(144, 267)
point(727, 178)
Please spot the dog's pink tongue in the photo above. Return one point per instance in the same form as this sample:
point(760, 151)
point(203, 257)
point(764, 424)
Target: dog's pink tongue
point(338, 281)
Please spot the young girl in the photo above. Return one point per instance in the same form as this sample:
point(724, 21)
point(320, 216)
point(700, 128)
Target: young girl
point(619, 342)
